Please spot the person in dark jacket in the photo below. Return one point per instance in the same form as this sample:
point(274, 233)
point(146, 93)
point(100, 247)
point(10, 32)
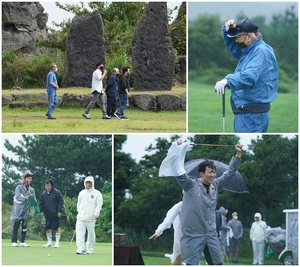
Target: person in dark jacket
point(51, 204)
point(111, 93)
point(124, 93)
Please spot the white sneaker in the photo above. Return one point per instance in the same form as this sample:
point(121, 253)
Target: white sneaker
point(56, 245)
point(89, 252)
point(47, 245)
point(24, 245)
point(14, 244)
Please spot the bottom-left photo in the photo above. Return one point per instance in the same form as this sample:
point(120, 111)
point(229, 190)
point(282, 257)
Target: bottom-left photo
point(56, 199)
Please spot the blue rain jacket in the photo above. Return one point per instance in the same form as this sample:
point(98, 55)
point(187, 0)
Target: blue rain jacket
point(255, 79)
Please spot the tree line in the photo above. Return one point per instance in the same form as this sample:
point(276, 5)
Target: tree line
point(269, 167)
point(67, 160)
point(209, 59)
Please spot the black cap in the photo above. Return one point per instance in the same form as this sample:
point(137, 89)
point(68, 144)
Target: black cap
point(244, 25)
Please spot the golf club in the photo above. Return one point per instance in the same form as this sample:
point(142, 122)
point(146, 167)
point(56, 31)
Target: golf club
point(72, 238)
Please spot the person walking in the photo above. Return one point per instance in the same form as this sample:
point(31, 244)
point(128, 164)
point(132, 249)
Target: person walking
point(124, 93)
point(223, 232)
point(198, 212)
point(20, 209)
point(254, 83)
point(258, 236)
point(52, 205)
point(111, 92)
point(51, 87)
point(97, 91)
point(235, 241)
point(89, 204)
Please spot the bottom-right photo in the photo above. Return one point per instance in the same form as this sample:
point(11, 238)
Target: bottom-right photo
point(205, 199)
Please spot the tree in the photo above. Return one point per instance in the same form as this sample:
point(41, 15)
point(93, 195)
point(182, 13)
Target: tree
point(67, 159)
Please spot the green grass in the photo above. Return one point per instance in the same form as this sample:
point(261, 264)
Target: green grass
point(64, 255)
point(205, 111)
point(156, 258)
point(69, 120)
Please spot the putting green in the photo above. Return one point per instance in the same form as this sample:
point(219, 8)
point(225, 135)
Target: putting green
point(64, 255)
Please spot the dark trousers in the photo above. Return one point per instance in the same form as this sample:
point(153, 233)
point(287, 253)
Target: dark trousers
point(111, 105)
point(16, 226)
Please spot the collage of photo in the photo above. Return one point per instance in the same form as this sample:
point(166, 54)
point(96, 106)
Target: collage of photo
point(149, 133)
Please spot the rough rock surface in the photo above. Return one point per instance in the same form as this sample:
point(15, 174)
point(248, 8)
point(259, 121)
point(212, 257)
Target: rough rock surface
point(85, 47)
point(169, 101)
point(152, 51)
point(22, 24)
point(143, 101)
point(180, 70)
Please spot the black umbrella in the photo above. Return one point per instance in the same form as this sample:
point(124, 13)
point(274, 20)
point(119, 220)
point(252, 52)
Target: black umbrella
point(236, 184)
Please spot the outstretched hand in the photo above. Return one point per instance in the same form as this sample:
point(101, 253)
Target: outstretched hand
point(239, 149)
point(229, 24)
point(154, 236)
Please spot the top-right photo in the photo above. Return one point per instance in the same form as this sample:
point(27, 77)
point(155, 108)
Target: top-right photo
point(242, 67)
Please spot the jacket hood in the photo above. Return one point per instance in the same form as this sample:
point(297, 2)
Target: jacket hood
point(257, 215)
point(89, 179)
point(222, 210)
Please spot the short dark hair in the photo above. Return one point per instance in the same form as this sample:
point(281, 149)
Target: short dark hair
point(206, 163)
point(125, 69)
point(98, 64)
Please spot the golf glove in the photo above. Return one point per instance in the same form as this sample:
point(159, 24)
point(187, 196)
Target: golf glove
point(220, 87)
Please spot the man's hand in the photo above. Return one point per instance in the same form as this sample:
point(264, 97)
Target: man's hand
point(239, 149)
point(220, 87)
point(96, 217)
point(154, 236)
point(179, 142)
point(59, 214)
point(230, 24)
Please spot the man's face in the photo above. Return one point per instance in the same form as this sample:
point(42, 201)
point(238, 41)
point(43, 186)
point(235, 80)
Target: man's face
point(28, 180)
point(88, 185)
point(48, 187)
point(256, 219)
point(208, 176)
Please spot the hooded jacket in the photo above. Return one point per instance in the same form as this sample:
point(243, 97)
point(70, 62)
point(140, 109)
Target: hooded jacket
point(89, 202)
point(258, 230)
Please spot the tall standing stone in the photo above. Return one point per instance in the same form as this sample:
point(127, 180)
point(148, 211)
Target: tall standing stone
point(85, 47)
point(152, 51)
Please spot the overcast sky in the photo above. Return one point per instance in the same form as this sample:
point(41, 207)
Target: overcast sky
point(230, 10)
point(58, 15)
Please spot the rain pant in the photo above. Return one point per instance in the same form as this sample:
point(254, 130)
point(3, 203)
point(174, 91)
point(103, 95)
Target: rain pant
point(198, 216)
point(20, 209)
point(258, 235)
point(254, 83)
point(172, 217)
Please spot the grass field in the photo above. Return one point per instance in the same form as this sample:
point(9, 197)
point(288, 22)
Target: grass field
point(205, 111)
point(64, 255)
point(69, 120)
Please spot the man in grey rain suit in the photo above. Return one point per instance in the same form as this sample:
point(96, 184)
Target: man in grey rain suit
point(198, 212)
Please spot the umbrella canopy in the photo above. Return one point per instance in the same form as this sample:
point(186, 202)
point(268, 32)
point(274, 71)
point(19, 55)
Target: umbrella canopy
point(236, 184)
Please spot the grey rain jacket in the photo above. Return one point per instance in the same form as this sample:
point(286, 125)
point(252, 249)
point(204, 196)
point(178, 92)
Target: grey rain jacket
point(198, 216)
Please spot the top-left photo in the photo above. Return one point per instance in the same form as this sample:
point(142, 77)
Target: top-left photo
point(102, 67)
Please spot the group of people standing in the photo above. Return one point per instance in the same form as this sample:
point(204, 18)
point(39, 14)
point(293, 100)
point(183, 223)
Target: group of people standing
point(116, 86)
point(51, 203)
point(194, 218)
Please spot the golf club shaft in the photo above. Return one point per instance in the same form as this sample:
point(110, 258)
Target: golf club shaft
point(213, 145)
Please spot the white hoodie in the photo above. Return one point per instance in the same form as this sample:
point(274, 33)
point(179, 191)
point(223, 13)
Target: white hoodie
point(89, 202)
point(258, 230)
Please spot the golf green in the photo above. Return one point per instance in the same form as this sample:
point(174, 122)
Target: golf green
point(64, 255)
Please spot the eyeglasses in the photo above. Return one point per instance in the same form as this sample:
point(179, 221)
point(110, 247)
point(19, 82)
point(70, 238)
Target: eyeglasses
point(243, 34)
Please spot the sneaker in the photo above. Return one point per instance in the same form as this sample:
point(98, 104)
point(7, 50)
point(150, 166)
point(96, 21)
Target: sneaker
point(14, 244)
point(124, 118)
point(82, 252)
point(47, 245)
point(118, 115)
point(86, 116)
point(106, 117)
point(24, 245)
point(89, 252)
point(51, 118)
point(56, 245)
point(47, 114)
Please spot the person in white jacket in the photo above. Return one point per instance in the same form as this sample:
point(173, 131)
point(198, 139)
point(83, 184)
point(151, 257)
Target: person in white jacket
point(89, 204)
point(258, 237)
point(173, 216)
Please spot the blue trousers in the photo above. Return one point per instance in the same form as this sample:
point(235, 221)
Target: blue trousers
point(52, 103)
point(124, 103)
point(251, 123)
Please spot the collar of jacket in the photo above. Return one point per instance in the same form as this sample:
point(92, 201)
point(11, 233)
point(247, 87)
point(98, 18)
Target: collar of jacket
point(251, 46)
point(211, 186)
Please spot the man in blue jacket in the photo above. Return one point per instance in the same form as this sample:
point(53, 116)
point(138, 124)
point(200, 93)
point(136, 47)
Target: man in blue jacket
point(254, 83)
point(111, 92)
point(51, 204)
